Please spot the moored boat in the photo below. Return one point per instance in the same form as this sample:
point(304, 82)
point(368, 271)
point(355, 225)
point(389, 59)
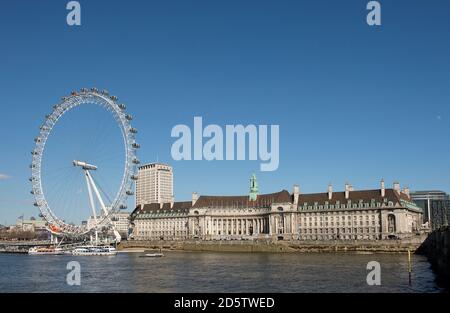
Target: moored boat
point(94, 250)
point(45, 251)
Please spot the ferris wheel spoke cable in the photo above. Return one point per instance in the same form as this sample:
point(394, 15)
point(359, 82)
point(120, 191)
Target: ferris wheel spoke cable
point(62, 200)
point(99, 186)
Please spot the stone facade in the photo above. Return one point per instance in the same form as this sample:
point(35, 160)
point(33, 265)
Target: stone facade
point(348, 215)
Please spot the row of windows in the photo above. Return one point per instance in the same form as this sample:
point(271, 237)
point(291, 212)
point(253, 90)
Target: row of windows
point(333, 237)
point(342, 206)
point(349, 223)
point(338, 230)
point(334, 213)
point(337, 218)
point(161, 233)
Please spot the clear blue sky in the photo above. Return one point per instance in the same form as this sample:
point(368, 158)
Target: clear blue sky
point(354, 103)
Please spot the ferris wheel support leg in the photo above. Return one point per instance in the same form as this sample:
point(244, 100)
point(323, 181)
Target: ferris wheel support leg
point(91, 198)
point(102, 204)
point(53, 239)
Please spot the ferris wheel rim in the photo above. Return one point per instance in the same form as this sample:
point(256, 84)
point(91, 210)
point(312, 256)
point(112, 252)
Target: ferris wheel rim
point(85, 96)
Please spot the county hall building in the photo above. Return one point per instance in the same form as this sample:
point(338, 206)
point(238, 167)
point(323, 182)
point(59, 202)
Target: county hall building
point(383, 213)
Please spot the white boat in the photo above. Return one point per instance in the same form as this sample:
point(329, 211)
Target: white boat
point(94, 250)
point(45, 251)
point(152, 255)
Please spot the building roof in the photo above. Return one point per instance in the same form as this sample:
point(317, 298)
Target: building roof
point(354, 196)
point(154, 207)
point(153, 164)
point(283, 196)
point(426, 192)
point(236, 201)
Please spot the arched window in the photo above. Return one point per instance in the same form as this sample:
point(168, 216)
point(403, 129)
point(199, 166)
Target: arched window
point(391, 223)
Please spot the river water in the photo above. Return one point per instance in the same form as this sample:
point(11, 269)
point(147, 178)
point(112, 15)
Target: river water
point(216, 272)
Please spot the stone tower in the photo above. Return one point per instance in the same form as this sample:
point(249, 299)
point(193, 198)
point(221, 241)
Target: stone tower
point(253, 188)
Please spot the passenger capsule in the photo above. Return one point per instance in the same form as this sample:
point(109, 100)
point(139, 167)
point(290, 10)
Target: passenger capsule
point(105, 92)
point(129, 192)
point(74, 93)
point(136, 161)
point(134, 177)
point(133, 130)
point(136, 145)
point(113, 98)
point(122, 106)
point(129, 117)
point(122, 206)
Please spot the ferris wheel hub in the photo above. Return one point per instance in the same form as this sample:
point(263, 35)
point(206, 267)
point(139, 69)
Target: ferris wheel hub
point(84, 165)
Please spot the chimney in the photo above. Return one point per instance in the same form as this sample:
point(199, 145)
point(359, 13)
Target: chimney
point(330, 191)
point(194, 198)
point(406, 192)
point(347, 190)
point(383, 189)
point(296, 194)
point(397, 187)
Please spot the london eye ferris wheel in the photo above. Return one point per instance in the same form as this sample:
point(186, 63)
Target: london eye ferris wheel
point(52, 189)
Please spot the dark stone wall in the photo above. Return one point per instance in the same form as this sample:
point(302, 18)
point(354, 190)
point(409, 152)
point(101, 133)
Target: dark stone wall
point(437, 247)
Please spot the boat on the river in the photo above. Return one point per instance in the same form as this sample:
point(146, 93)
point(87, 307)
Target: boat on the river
point(45, 251)
point(152, 255)
point(94, 250)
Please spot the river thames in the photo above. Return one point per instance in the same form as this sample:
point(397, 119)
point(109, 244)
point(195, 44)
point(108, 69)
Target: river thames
point(216, 272)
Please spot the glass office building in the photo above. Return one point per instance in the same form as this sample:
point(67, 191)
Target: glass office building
point(435, 205)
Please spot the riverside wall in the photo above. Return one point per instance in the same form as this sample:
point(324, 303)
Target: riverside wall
point(437, 248)
point(394, 246)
